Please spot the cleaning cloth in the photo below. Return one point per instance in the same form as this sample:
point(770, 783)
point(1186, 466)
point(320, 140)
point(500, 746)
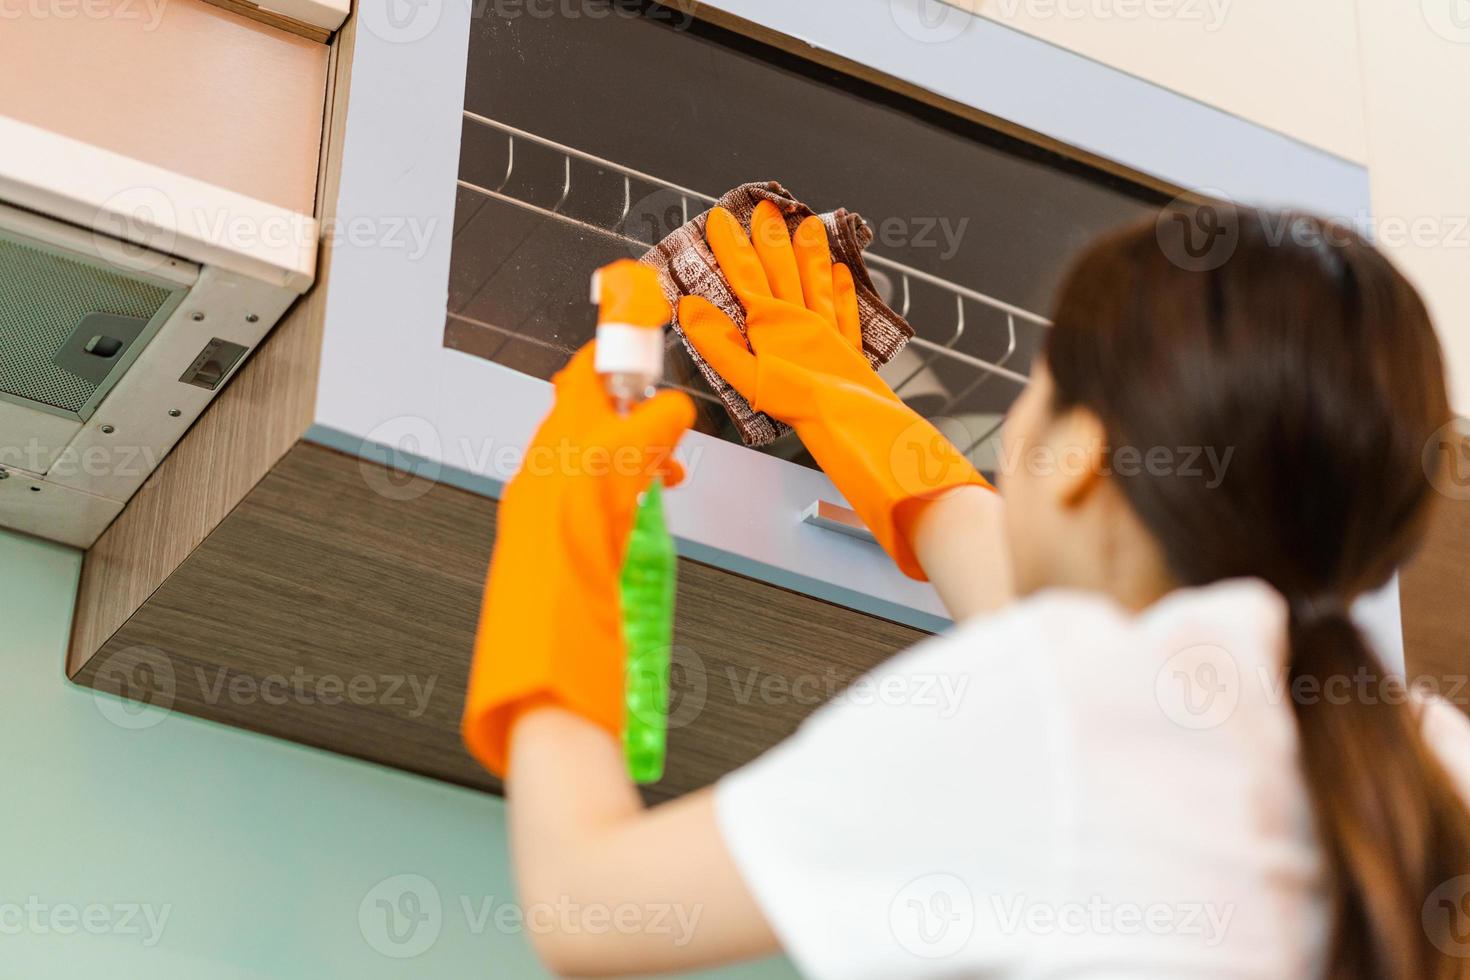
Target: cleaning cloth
point(686, 267)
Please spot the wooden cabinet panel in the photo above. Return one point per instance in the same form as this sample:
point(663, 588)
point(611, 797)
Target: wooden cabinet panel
point(1434, 590)
point(260, 415)
point(330, 612)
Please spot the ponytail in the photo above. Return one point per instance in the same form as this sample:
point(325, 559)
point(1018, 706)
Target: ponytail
point(1389, 819)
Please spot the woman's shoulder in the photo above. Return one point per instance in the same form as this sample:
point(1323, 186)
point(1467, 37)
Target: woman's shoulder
point(1238, 601)
point(1084, 669)
point(1447, 731)
point(1238, 625)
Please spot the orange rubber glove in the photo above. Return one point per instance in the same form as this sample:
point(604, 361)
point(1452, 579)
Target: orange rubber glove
point(808, 370)
point(551, 624)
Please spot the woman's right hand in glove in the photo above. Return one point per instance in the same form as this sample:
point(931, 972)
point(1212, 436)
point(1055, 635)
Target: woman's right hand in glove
point(804, 365)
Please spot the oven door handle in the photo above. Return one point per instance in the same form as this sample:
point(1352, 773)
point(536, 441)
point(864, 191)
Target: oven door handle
point(835, 517)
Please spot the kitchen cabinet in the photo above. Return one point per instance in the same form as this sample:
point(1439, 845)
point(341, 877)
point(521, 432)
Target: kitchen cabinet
point(391, 388)
point(325, 611)
point(348, 535)
point(157, 200)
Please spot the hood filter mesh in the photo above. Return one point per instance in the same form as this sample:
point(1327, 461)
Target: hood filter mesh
point(43, 297)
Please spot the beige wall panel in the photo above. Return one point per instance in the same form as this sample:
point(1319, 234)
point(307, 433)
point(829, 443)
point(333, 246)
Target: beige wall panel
point(1417, 75)
point(177, 83)
point(1288, 65)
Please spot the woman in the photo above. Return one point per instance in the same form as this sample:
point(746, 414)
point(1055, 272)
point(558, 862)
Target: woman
point(1172, 754)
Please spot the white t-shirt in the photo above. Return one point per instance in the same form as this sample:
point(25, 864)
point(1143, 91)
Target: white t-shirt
point(1057, 790)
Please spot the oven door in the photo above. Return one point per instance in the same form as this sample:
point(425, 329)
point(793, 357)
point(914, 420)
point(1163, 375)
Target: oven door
point(520, 152)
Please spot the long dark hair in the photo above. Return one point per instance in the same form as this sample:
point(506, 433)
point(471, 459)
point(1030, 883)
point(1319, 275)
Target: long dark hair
point(1295, 342)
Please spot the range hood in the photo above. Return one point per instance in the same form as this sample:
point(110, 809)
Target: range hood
point(129, 295)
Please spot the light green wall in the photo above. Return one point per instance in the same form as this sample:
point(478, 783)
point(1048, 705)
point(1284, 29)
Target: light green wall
point(259, 852)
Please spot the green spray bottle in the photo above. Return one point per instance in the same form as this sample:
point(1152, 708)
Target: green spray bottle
point(632, 313)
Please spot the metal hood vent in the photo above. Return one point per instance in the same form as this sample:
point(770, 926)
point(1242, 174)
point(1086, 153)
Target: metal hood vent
point(69, 327)
point(128, 297)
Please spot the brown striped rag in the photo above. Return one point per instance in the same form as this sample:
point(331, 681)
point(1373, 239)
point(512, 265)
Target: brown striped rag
point(686, 267)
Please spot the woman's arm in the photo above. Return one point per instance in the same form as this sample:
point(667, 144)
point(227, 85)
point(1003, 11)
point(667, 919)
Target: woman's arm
point(587, 852)
point(960, 543)
point(607, 886)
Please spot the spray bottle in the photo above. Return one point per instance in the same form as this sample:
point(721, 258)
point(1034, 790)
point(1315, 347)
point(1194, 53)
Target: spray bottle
point(632, 313)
